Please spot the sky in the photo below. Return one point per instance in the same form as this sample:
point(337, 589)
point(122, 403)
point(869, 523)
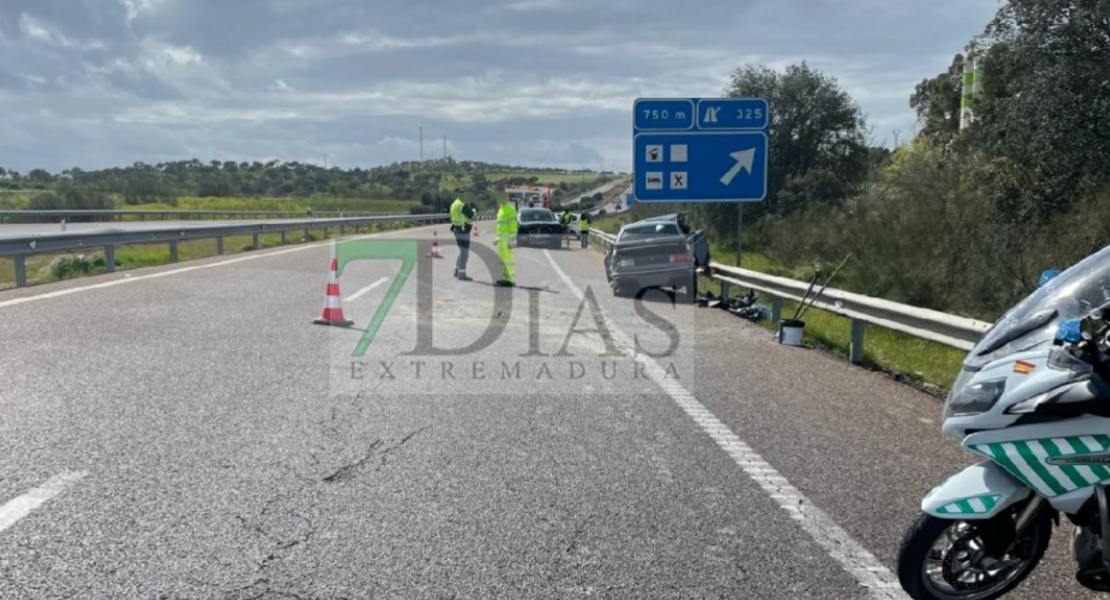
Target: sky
point(350, 83)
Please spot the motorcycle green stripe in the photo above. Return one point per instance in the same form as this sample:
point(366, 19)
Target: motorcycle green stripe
point(966, 506)
point(1073, 473)
point(1078, 447)
point(998, 453)
point(1024, 457)
point(1034, 462)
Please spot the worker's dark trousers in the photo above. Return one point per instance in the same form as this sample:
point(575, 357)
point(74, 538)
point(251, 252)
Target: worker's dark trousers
point(585, 239)
point(463, 240)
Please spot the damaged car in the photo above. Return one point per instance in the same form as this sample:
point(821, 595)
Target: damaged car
point(656, 252)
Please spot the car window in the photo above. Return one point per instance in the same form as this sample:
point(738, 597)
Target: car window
point(648, 231)
point(536, 216)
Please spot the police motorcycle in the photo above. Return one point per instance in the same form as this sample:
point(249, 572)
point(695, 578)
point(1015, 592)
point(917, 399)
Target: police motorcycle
point(1033, 400)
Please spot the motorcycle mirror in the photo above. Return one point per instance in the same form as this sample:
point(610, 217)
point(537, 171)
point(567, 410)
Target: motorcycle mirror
point(1047, 275)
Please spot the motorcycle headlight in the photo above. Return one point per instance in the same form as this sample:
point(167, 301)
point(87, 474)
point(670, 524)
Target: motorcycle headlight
point(974, 399)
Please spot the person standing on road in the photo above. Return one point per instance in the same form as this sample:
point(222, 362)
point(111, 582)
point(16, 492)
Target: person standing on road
point(584, 229)
point(506, 238)
point(462, 220)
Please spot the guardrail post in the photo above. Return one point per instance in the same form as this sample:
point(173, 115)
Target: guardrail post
point(305, 238)
point(173, 251)
point(219, 245)
point(254, 241)
point(325, 233)
point(20, 270)
point(776, 309)
point(340, 229)
point(282, 237)
point(855, 350)
point(110, 259)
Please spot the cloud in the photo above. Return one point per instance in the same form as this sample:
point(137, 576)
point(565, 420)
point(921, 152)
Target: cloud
point(95, 83)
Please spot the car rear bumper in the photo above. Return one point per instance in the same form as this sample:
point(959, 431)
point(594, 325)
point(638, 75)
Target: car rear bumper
point(544, 239)
point(653, 277)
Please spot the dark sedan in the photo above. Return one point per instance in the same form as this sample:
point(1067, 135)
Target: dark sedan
point(539, 227)
point(657, 252)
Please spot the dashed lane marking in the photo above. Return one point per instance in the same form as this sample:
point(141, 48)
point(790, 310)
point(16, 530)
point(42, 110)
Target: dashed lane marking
point(852, 556)
point(17, 508)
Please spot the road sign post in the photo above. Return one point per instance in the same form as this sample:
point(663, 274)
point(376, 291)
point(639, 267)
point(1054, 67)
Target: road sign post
point(701, 150)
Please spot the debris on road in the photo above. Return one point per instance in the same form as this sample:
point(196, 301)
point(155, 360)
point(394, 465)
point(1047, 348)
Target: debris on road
point(745, 307)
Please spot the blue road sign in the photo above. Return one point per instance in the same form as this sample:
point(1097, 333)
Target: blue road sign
point(664, 114)
point(714, 152)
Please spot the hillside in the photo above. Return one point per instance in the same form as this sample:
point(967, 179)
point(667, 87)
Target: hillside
point(422, 185)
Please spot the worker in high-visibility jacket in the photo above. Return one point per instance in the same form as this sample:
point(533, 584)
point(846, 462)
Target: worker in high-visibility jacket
point(506, 239)
point(584, 229)
point(462, 220)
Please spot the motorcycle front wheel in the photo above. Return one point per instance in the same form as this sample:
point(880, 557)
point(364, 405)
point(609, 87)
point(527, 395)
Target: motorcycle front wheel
point(945, 559)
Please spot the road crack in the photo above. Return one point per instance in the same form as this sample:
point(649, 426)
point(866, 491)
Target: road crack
point(350, 470)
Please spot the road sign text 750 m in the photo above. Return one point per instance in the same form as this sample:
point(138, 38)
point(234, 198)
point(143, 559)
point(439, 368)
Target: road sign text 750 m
point(656, 114)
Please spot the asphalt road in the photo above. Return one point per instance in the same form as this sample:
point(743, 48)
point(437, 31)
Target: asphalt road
point(186, 432)
point(598, 190)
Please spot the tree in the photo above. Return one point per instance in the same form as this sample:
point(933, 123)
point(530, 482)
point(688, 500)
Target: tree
point(818, 153)
point(937, 104)
point(1043, 114)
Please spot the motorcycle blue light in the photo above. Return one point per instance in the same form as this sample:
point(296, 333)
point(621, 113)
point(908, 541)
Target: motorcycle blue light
point(1048, 275)
point(1069, 331)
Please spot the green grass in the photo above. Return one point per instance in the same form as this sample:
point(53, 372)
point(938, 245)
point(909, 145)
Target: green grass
point(452, 181)
point(147, 255)
point(920, 361)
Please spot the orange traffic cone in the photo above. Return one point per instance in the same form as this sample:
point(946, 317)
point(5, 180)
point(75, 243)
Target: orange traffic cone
point(435, 246)
point(333, 308)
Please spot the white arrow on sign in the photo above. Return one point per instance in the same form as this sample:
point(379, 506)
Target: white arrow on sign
point(744, 160)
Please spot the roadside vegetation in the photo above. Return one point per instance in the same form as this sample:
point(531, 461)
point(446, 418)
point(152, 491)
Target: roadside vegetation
point(957, 220)
point(413, 187)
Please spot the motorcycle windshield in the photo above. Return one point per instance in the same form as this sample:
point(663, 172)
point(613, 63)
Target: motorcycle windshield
point(1072, 294)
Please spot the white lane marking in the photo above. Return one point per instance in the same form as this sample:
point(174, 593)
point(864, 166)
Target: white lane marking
point(20, 507)
point(852, 556)
point(365, 290)
point(127, 278)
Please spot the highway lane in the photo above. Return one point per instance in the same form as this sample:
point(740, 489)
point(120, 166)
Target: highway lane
point(601, 189)
point(231, 449)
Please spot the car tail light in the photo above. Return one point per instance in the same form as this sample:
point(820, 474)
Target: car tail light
point(682, 258)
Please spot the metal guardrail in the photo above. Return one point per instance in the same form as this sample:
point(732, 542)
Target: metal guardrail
point(19, 248)
point(52, 216)
point(943, 328)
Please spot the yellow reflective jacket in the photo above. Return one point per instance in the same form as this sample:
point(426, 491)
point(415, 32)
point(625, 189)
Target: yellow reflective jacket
point(506, 221)
point(456, 213)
